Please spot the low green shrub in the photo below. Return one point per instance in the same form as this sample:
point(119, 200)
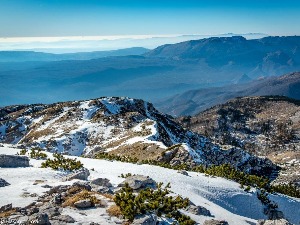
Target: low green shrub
point(60, 162)
point(152, 201)
point(36, 153)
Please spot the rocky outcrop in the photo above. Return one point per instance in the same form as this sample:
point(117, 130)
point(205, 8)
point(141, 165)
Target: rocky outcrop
point(137, 182)
point(13, 161)
point(3, 183)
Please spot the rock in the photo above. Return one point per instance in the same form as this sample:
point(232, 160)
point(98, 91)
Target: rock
point(82, 204)
point(40, 219)
point(81, 174)
point(46, 186)
point(102, 190)
point(274, 222)
point(5, 208)
point(51, 210)
point(215, 222)
point(3, 183)
point(58, 189)
point(198, 210)
point(138, 182)
point(148, 219)
point(101, 182)
point(183, 172)
point(83, 185)
point(13, 161)
point(65, 218)
point(57, 199)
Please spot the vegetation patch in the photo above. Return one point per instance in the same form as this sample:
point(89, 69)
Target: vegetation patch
point(60, 162)
point(152, 201)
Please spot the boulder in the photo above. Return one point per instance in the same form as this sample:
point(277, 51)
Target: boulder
point(215, 222)
point(102, 190)
point(64, 218)
point(82, 204)
point(13, 161)
point(3, 183)
point(81, 174)
point(274, 222)
point(82, 185)
point(40, 219)
point(198, 210)
point(138, 182)
point(147, 219)
point(101, 182)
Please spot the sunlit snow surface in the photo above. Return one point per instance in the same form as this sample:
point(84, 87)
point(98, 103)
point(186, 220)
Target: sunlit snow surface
point(223, 198)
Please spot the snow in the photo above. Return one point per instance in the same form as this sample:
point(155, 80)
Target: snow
point(224, 198)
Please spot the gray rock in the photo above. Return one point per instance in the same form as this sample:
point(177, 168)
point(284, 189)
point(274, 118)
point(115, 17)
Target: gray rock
point(13, 161)
point(58, 189)
point(138, 182)
point(57, 199)
point(82, 204)
point(83, 185)
point(81, 174)
point(102, 190)
point(215, 222)
point(40, 219)
point(274, 222)
point(3, 183)
point(183, 172)
point(65, 218)
point(148, 219)
point(198, 210)
point(101, 182)
point(5, 208)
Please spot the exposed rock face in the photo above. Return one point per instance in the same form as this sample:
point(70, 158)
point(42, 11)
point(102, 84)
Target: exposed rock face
point(5, 208)
point(123, 126)
point(148, 219)
point(13, 161)
point(81, 174)
point(138, 182)
point(3, 183)
point(274, 222)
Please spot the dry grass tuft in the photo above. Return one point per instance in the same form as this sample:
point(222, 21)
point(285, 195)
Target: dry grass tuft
point(114, 210)
point(7, 213)
point(84, 194)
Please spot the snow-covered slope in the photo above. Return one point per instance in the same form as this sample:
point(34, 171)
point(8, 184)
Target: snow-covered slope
point(225, 199)
point(121, 126)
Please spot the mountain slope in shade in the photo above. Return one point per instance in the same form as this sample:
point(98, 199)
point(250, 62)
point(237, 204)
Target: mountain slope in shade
point(121, 126)
point(192, 102)
point(264, 126)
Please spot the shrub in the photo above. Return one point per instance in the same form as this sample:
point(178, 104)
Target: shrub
point(149, 200)
point(22, 152)
point(60, 162)
point(287, 189)
point(37, 153)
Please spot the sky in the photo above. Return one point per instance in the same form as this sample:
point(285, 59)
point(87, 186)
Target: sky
point(56, 18)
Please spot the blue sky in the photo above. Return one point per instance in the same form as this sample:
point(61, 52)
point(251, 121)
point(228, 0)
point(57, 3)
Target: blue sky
point(44, 18)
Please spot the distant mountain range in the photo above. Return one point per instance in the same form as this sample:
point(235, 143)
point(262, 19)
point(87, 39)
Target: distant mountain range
point(25, 56)
point(195, 101)
point(165, 71)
